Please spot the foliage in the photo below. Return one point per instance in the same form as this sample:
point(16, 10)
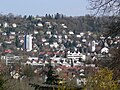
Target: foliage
point(2, 83)
point(112, 28)
point(102, 80)
point(28, 71)
point(16, 41)
point(114, 63)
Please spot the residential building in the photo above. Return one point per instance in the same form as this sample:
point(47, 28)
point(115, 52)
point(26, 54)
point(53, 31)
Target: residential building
point(28, 42)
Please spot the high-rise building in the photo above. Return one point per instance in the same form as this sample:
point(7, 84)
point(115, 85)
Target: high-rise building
point(93, 46)
point(28, 42)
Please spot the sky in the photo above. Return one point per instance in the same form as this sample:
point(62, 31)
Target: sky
point(42, 7)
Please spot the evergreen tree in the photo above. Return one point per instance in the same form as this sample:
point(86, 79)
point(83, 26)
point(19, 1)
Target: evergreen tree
point(57, 16)
point(52, 78)
point(50, 17)
point(46, 16)
point(16, 41)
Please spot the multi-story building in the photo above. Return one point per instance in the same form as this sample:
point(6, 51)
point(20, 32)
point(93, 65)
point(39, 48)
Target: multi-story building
point(28, 42)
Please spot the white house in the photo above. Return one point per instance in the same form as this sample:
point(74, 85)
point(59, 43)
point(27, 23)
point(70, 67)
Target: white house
point(71, 32)
point(14, 25)
point(40, 24)
point(104, 50)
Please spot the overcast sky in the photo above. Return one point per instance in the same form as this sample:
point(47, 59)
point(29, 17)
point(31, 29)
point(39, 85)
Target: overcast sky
point(41, 7)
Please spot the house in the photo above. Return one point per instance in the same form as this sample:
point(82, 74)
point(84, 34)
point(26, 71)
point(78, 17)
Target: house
point(47, 23)
point(105, 50)
point(5, 25)
point(43, 40)
point(14, 25)
point(4, 33)
point(11, 58)
point(64, 26)
point(35, 32)
point(40, 24)
point(71, 32)
point(82, 34)
point(55, 44)
point(48, 32)
point(38, 18)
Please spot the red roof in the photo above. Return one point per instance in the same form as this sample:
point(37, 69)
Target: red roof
point(42, 52)
point(8, 51)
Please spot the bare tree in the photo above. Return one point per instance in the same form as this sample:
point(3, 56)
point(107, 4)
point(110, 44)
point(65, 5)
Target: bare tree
point(112, 28)
point(108, 7)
